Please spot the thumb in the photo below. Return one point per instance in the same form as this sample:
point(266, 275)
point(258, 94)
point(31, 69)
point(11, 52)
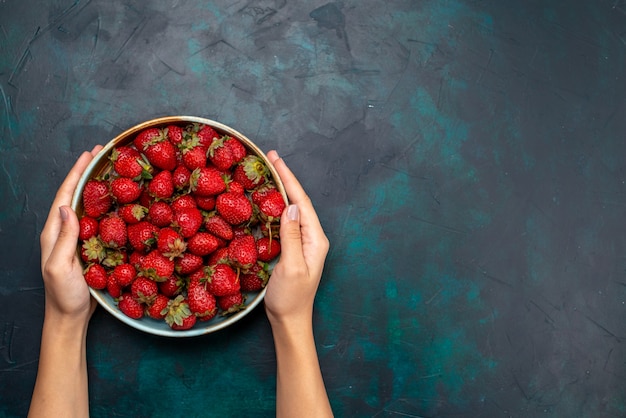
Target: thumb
point(290, 236)
point(65, 246)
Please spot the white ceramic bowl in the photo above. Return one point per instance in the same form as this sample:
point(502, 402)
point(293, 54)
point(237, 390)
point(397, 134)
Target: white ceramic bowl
point(99, 165)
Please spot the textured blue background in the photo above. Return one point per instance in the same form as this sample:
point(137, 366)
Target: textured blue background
point(466, 159)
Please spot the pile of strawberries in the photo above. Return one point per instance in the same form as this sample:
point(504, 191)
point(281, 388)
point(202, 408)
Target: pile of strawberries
point(182, 225)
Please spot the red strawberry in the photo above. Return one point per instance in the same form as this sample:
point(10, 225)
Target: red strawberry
point(96, 198)
point(230, 304)
point(170, 243)
point(202, 243)
point(161, 214)
point(205, 202)
point(206, 134)
point(96, 276)
point(114, 289)
point(136, 258)
point(271, 205)
point(194, 157)
point(142, 235)
point(113, 231)
point(132, 213)
point(174, 134)
point(251, 172)
point(220, 155)
point(178, 315)
point(188, 221)
point(125, 190)
point(127, 162)
point(235, 187)
point(180, 177)
point(156, 266)
point(161, 186)
point(187, 263)
point(223, 280)
point(129, 306)
point(255, 278)
point(235, 208)
point(218, 226)
point(267, 248)
point(219, 256)
point(144, 290)
point(183, 202)
point(158, 308)
point(242, 251)
point(88, 228)
point(146, 137)
point(237, 149)
point(206, 181)
point(161, 154)
point(124, 274)
point(93, 250)
point(172, 286)
point(201, 302)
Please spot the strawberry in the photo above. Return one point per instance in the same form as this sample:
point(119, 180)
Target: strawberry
point(205, 202)
point(136, 258)
point(114, 289)
point(180, 177)
point(96, 198)
point(144, 290)
point(158, 307)
point(237, 149)
point(242, 251)
point(202, 243)
point(129, 306)
point(194, 156)
point(170, 243)
point(206, 135)
point(235, 208)
point(88, 227)
point(206, 181)
point(267, 248)
point(174, 134)
point(132, 213)
point(156, 266)
point(188, 221)
point(161, 214)
point(161, 186)
point(128, 162)
point(96, 276)
point(161, 153)
point(124, 274)
point(230, 304)
point(93, 250)
point(223, 280)
point(219, 256)
point(183, 202)
point(218, 226)
point(235, 187)
point(220, 154)
point(113, 231)
point(172, 286)
point(255, 278)
point(125, 190)
point(178, 314)
point(151, 135)
point(201, 302)
point(187, 263)
point(251, 172)
point(142, 235)
point(271, 205)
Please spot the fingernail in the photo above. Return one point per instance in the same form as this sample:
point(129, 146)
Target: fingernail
point(293, 212)
point(63, 212)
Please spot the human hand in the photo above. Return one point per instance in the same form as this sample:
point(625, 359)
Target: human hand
point(66, 292)
point(304, 246)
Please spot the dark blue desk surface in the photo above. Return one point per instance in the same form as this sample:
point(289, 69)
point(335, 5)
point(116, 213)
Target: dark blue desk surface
point(466, 159)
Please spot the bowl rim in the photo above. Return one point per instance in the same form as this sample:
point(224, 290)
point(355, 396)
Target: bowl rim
point(100, 295)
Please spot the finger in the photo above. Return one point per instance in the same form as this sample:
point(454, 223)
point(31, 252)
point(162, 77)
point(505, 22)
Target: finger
point(294, 189)
point(96, 150)
point(63, 197)
point(64, 249)
point(291, 237)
